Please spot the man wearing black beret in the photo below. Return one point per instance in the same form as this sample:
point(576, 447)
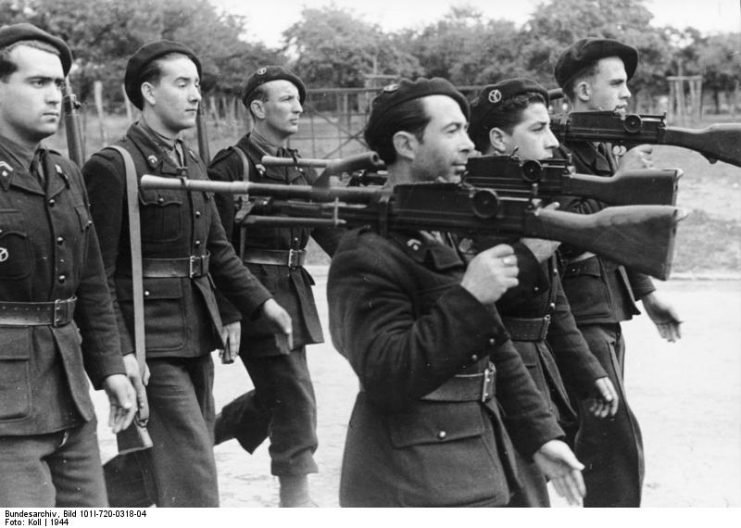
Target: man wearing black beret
point(511, 118)
point(418, 325)
point(283, 401)
point(184, 252)
point(593, 74)
point(52, 293)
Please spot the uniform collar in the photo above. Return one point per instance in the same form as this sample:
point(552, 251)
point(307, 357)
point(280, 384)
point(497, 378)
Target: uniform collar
point(18, 164)
point(156, 150)
point(426, 250)
point(257, 147)
point(588, 154)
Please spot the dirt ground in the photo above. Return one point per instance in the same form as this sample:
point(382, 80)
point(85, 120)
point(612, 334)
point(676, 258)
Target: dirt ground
point(687, 397)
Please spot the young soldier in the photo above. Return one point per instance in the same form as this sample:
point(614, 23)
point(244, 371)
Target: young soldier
point(184, 249)
point(511, 118)
point(420, 329)
point(593, 74)
point(283, 401)
point(50, 271)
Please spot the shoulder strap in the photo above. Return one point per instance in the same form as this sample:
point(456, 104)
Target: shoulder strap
point(132, 197)
point(245, 163)
point(243, 201)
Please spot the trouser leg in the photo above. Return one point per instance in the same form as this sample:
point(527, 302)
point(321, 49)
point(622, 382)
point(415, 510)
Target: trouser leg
point(26, 478)
point(245, 420)
point(610, 448)
point(283, 387)
point(76, 469)
point(181, 426)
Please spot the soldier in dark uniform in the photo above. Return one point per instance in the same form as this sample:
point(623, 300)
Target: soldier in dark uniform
point(511, 118)
point(437, 370)
point(184, 253)
point(593, 74)
point(53, 291)
point(283, 401)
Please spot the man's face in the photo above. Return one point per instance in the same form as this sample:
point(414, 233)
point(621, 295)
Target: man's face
point(609, 88)
point(31, 97)
point(442, 153)
point(282, 108)
point(176, 96)
point(532, 137)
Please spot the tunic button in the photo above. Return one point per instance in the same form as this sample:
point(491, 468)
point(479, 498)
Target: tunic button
point(441, 435)
point(146, 293)
point(51, 202)
point(60, 240)
point(474, 358)
point(62, 278)
point(198, 214)
point(552, 306)
point(536, 289)
point(197, 243)
point(160, 200)
point(492, 341)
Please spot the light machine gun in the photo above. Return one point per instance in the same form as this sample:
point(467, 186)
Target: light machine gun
point(716, 142)
point(638, 236)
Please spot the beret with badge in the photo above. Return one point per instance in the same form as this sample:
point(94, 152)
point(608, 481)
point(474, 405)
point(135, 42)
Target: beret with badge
point(143, 57)
point(586, 52)
point(393, 95)
point(24, 31)
point(494, 96)
point(271, 73)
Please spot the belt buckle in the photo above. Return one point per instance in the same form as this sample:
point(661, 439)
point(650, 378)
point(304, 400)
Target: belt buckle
point(294, 258)
point(60, 311)
point(487, 384)
point(192, 267)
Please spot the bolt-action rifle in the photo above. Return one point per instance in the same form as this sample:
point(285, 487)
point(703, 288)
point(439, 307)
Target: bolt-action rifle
point(715, 142)
point(549, 179)
point(638, 236)
point(72, 128)
point(364, 162)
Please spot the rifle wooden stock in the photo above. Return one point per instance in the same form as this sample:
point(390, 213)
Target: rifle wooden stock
point(638, 236)
point(549, 179)
point(72, 128)
point(716, 142)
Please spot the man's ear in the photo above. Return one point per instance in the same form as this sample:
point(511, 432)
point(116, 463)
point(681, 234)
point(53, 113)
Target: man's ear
point(258, 108)
point(583, 91)
point(147, 90)
point(498, 140)
point(405, 143)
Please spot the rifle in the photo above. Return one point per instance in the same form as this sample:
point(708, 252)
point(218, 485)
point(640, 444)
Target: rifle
point(638, 236)
point(716, 142)
point(549, 179)
point(365, 161)
point(72, 128)
point(202, 131)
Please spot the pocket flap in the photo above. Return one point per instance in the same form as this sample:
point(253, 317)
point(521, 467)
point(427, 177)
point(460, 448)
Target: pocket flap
point(15, 344)
point(433, 423)
point(11, 223)
point(153, 289)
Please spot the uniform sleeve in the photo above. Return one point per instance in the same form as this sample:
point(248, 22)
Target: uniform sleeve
point(106, 188)
point(641, 284)
point(94, 315)
point(578, 367)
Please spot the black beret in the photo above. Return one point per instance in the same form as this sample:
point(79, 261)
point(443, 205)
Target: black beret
point(271, 73)
point(393, 95)
point(145, 55)
point(495, 95)
point(24, 31)
point(585, 52)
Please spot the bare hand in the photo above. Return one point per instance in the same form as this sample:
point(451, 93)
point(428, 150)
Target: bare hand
point(664, 317)
point(279, 320)
point(122, 399)
point(637, 158)
point(491, 273)
point(605, 403)
point(231, 334)
point(557, 462)
point(138, 381)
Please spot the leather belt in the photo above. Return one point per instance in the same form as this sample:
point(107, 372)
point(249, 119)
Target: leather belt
point(52, 313)
point(190, 267)
point(293, 258)
point(478, 387)
point(527, 329)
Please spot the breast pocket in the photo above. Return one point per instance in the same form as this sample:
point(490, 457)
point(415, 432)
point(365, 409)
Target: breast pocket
point(161, 215)
point(15, 247)
point(15, 385)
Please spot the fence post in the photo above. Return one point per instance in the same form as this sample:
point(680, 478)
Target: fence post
point(98, 96)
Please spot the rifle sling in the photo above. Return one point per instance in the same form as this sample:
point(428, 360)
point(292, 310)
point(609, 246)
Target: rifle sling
point(244, 203)
point(132, 199)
